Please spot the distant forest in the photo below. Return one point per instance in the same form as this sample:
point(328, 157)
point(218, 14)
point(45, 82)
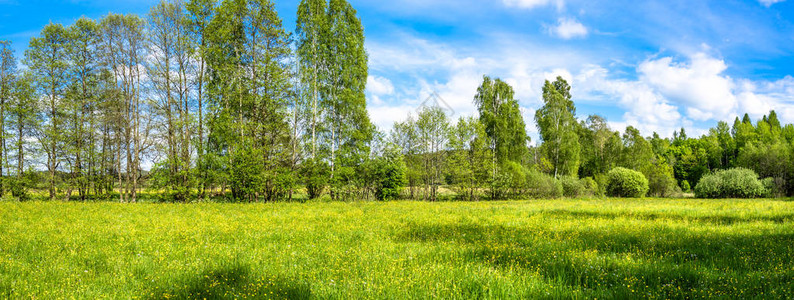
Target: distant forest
point(225, 103)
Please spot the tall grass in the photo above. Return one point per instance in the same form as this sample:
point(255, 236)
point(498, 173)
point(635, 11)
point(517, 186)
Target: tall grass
point(610, 248)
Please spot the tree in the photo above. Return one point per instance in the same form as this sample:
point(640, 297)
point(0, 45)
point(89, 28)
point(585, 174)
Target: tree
point(343, 95)
point(556, 123)
point(169, 70)
point(199, 17)
point(432, 130)
point(470, 157)
point(404, 137)
point(22, 120)
point(312, 38)
point(8, 72)
point(249, 91)
point(81, 103)
point(600, 147)
point(123, 50)
point(637, 152)
point(504, 125)
point(46, 59)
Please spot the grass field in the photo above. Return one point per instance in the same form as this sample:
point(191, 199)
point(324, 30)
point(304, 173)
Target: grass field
point(603, 248)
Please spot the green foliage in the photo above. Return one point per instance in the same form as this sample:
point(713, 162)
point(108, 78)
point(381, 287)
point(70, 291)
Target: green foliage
point(389, 172)
point(591, 186)
point(769, 159)
point(661, 182)
point(469, 163)
point(501, 117)
point(572, 187)
point(771, 188)
point(556, 122)
point(623, 182)
point(685, 186)
point(600, 147)
point(731, 183)
point(314, 174)
point(542, 185)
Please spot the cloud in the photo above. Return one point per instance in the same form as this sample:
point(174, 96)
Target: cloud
point(379, 86)
point(699, 85)
point(567, 29)
point(530, 4)
point(769, 3)
point(658, 94)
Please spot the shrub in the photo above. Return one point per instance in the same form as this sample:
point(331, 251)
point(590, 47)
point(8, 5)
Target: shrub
point(390, 176)
point(661, 182)
point(542, 185)
point(623, 182)
point(591, 186)
point(572, 187)
point(685, 187)
point(731, 183)
point(601, 182)
point(770, 187)
point(315, 173)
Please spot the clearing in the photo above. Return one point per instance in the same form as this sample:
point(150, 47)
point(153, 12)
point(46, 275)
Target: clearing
point(595, 248)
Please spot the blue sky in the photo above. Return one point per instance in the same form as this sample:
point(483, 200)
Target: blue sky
point(656, 65)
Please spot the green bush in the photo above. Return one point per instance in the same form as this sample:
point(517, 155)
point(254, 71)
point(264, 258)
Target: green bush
point(602, 180)
point(389, 172)
point(623, 182)
point(661, 182)
point(572, 187)
point(685, 187)
point(770, 187)
point(591, 186)
point(542, 185)
point(731, 183)
point(315, 173)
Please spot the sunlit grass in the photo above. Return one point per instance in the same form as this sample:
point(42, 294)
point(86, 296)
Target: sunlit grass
point(610, 248)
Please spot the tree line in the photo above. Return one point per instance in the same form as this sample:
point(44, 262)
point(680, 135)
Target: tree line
point(207, 99)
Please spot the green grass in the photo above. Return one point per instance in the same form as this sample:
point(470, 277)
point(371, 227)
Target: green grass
point(612, 248)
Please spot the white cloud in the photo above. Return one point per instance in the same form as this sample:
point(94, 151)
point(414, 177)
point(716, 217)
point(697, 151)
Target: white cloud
point(769, 3)
point(699, 85)
point(379, 86)
point(665, 95)
point(384, 116)
point(567, 28)
point(529, 4)
point(644, 107)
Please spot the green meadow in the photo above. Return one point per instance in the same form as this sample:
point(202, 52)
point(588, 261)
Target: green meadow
point(599, 248)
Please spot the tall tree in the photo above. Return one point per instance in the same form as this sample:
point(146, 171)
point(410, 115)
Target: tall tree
point(80, 103)
point(312, 38)
point(637, 151)
point(170, 70)
point(23, 119)
point(556, 123)
point(404, 136)
point(199, 17)
point(123, 50)
point(46, 59)
point(470, 158)
point(8, 72)
point(249, 91)
point(503, 122)
point(344, 100)
point(432, 129)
